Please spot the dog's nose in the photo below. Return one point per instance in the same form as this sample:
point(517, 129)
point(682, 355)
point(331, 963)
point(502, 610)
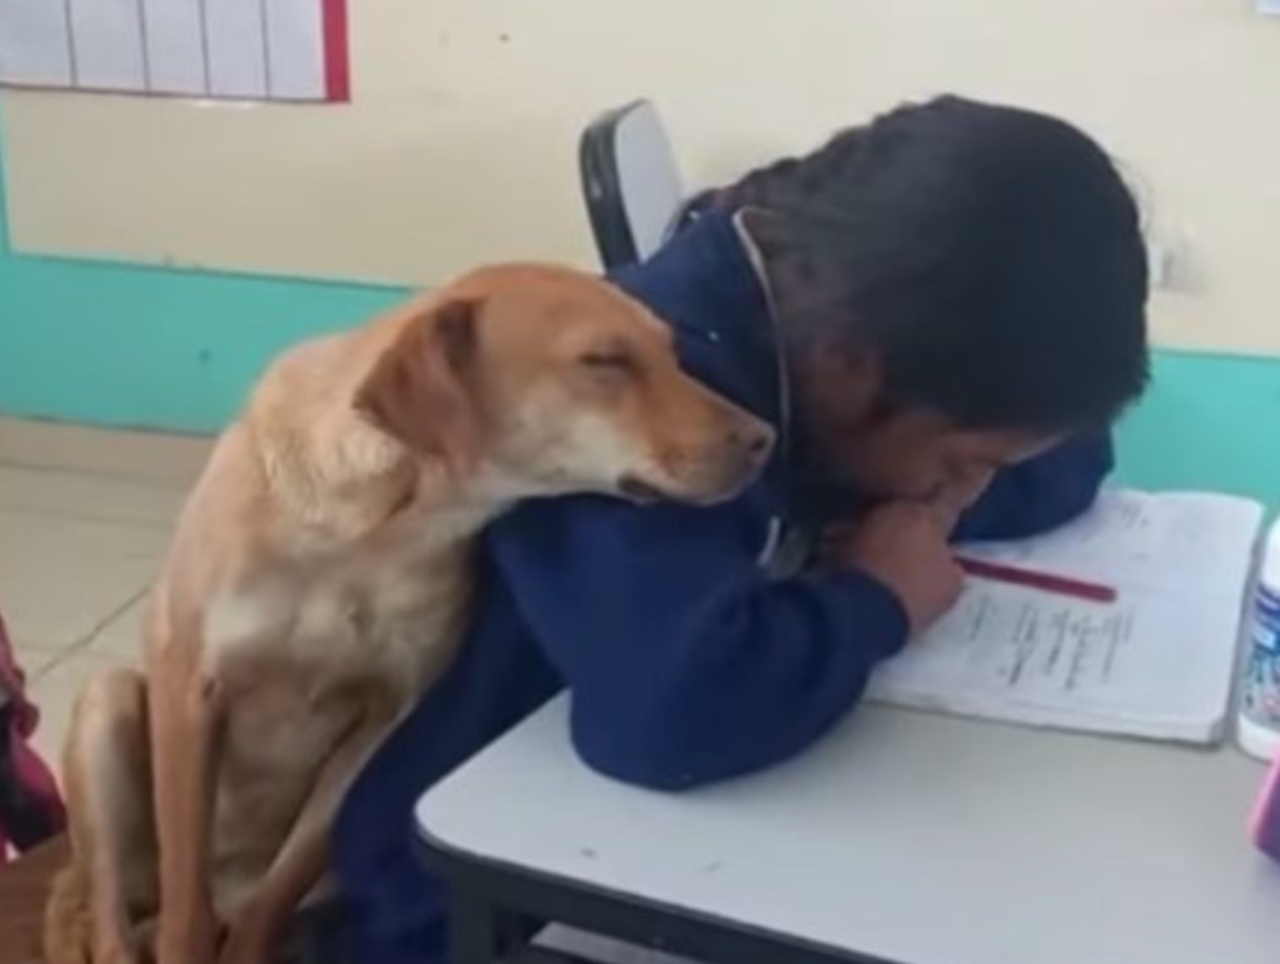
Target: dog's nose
point(760, 443)
point(755, 440)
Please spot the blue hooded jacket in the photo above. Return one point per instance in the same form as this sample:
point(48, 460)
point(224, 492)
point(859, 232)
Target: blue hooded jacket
point(687, 659)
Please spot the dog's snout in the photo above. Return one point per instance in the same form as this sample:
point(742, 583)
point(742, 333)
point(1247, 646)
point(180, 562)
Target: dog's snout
point(759, 442)
point(713, 454)
point(754, 439)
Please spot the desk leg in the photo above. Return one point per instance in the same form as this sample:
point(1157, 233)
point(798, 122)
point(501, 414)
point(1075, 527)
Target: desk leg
point(473, 928)
point(481, 932)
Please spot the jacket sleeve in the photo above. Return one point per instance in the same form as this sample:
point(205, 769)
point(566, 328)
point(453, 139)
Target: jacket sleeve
point(1041, 493)
point(686, 663)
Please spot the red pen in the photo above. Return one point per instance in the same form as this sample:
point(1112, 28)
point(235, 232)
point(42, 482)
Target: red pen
point(1033, 579)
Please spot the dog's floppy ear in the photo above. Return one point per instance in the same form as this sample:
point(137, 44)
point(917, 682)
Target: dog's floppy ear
point(421, 390)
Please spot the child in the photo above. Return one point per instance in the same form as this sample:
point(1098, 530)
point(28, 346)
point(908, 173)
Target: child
point(942, 313)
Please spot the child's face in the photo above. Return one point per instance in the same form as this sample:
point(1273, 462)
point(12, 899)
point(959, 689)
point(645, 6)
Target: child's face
point(908, 455)
point(918, 456)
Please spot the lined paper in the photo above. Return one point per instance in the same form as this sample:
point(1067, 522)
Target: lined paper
point(234, 49)
point(1157, 663)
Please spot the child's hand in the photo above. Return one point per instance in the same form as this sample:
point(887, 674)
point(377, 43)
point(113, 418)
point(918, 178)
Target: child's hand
point(903, 545)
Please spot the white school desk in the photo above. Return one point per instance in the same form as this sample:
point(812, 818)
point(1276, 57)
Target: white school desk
point(904, 838)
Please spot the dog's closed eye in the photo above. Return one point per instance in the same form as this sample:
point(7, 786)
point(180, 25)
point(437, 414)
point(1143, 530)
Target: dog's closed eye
point(608, 359)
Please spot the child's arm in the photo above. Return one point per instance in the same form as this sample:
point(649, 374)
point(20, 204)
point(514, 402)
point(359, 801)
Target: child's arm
point(687, 664)
point(1042, 493)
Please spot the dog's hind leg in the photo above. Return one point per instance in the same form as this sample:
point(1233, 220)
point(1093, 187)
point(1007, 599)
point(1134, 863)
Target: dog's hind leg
point(112, 880)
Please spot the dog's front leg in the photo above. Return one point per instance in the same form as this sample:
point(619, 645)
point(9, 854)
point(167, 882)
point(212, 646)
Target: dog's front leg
point(186, 715)
point(253, 933)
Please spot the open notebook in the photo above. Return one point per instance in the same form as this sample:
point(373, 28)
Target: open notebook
point(1159, 662)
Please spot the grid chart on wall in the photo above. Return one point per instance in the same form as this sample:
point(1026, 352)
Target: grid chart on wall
point(276, 50)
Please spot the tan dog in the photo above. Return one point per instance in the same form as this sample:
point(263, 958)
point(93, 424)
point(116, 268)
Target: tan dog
point(317, 585)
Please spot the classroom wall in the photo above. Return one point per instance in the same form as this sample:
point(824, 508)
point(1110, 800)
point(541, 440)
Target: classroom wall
point(116, 345)
point(459, 143)
point(112, 344)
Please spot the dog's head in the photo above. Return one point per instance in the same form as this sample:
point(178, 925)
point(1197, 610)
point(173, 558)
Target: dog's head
point(553, 381)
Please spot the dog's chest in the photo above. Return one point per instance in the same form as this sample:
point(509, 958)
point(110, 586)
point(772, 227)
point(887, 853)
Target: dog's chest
point(381, 613)
point(379, 616)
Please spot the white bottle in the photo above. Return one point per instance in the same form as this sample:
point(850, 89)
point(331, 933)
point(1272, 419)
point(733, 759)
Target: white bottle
point(1258, 726)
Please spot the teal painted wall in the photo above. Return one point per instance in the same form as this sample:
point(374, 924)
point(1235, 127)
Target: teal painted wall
point(115, 344)
point(112, 344)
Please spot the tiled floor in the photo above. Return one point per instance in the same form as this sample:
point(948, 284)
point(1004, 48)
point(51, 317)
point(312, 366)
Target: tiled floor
point(84, 519)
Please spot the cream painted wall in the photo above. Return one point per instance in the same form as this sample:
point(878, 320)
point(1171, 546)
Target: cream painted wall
point(460, 145)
